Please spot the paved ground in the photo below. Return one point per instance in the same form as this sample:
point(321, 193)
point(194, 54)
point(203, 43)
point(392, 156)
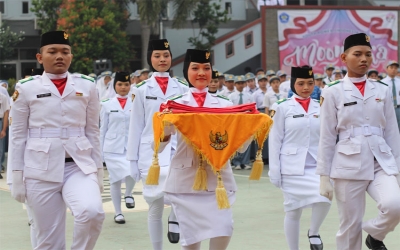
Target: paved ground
point(258, 215)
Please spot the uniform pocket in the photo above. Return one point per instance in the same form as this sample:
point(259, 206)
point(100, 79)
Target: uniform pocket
point(37, 154)
point(182, 163)
point(84, 144)
point(111, 135)
point(288, 151)
point(387, 156)
point(348, 156)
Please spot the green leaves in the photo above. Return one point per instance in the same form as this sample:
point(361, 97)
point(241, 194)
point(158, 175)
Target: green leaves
point(8, 40)
point(97, 30)
point(208, 17)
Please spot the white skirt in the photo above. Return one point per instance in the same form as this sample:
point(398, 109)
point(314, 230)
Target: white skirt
point(118, 166)
point(301, 190)
point(199, 217)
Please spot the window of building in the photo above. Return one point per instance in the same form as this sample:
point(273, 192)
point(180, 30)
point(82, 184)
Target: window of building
point(25, 7)
point(228, 7)
point(229, 49)
point(2, 7)
point(27, 54)
point(248, 39)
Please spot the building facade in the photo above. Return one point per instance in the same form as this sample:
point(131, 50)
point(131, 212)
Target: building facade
point(240, 45)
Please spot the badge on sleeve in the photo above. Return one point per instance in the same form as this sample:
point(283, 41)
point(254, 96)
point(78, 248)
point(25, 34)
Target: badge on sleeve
point(133, 97)
point(15, 95)
point(272, 113)
point(321, 101)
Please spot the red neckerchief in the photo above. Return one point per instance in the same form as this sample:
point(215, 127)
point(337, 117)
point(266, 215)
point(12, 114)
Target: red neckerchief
point(162, 82)
point(60, 84)
point(360, 86)
point(200, 98)
point(304, 103)
point(122, 101)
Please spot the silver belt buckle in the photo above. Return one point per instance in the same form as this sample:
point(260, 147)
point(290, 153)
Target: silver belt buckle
point(366, 128)
point(62, 130)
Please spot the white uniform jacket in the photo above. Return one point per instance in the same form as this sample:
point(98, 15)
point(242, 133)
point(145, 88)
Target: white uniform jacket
point(114, 125)
point(57, 125)
point(148, 97)
point(184, 164)
point(295, 133)
point(366, 126)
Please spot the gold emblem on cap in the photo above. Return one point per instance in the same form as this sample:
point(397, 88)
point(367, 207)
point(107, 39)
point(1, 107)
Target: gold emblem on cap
point(310, 72)
point(207, 55)
point(66, 36)
point(166, 44)
point(230, 77)
point(217, 74)
point(367, 38)
point(239, 78)
point(126, 77)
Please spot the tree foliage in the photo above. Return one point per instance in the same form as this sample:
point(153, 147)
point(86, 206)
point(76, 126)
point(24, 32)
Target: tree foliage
point(97, 30)
point(208, 16)
point(8, 40)
point(149, 12)
point(47, 13)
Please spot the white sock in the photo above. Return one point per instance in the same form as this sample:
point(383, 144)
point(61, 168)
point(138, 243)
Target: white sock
point(172, 217)
point(319, 212)
point(155, 225)
point(195, 246)
point(115, 190)
point(292, 228)
point(219, 243)
point(129, 185)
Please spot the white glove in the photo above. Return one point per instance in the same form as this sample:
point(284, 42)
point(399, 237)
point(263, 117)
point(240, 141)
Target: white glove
point(325, 187)
point(135, 170)
point(100, 177)
point(169, 129)
point(276, 182)
point(18, 191)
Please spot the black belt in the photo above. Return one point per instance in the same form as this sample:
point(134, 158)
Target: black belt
point(69, 159)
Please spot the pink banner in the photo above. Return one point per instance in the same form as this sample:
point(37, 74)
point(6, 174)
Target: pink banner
point(315, 37)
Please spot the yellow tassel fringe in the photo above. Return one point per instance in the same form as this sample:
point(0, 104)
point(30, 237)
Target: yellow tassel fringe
point(154, 172)
point(221, 195)
point(258, 167)
point(200, 181)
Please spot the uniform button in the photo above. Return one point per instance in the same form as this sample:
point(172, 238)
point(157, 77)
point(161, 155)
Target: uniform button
point(367, 117)
point(365, 102)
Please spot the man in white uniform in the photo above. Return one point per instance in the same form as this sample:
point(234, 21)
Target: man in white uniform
point(394, 85)
point(56, 149)
point(366, 158)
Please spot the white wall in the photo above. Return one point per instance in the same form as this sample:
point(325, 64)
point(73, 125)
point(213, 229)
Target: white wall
point(179, 39)
point(241, 54)
point(13, 10)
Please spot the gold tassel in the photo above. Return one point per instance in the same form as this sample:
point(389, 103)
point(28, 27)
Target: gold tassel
point(220, 193)
point(200, 181)
point(154, 172)
point(258, 167)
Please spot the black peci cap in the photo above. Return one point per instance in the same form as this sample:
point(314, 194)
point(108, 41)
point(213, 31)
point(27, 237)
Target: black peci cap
point(300, 72)
point(160, 44)
point(356, 40)
point(199, 56)
point(122, 77)
point(195, 55)
point(54, 37)
point(215, 74)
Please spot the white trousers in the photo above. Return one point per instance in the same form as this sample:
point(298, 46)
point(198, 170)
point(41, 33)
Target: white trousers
point(48, 202)
point(350, 196)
